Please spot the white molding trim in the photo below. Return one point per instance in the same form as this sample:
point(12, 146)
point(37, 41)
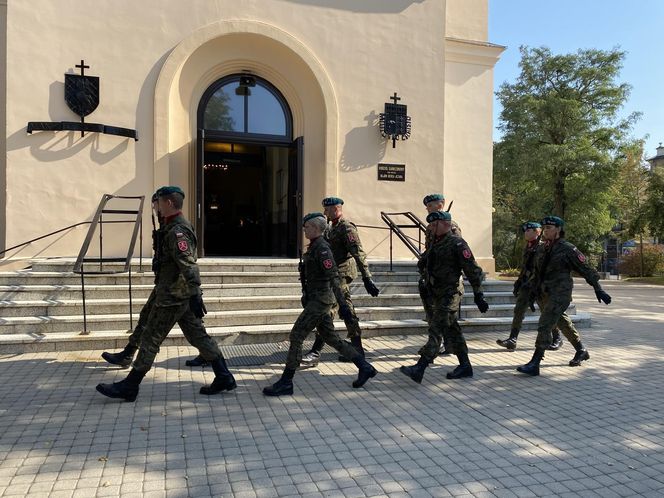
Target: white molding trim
point(472, 52)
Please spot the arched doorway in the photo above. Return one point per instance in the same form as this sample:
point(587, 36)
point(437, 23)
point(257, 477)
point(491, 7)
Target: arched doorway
point(248, 170)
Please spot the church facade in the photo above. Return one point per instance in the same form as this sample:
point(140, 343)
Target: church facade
point(257, 109)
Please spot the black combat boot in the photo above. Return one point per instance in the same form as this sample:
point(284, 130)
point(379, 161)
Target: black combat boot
point(283, 387)
point(199, 361)
point(356, 342)
point(416, 372)
point(126, 389)
point(557, 341)
point(223, 379)
point(465, 369)
point(510, 342)
point(532, 367)
point(123, 358)
point(581, 355)
point(365, 372)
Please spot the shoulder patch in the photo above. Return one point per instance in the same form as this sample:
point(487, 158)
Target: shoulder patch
point(351, 236)
point(579, 255)
point(466, 253)
point(328, 263)
point(182, 245)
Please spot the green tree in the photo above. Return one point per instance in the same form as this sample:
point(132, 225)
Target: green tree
point(217, 113)
point(562, 137)
point(653, 208)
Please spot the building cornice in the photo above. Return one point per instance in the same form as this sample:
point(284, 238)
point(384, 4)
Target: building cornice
point(472, 52)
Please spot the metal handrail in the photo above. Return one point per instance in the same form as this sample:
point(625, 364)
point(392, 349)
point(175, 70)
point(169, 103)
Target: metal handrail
point(395, 228)
point(44, 236)
point(82, 259)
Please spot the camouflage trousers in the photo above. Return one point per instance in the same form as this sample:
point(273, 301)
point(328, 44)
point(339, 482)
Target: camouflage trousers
point(426, 297)
point(521, 308)
point(135, 337)
point(552, 309)
point(444, 325)
point(353, 323)
point(316, 315)
point(159, 322)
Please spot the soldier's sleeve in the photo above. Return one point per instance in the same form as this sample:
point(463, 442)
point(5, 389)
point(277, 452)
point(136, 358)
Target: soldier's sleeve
point(182, 246)
point(469, 266)
point(354, 247)
point(579, 264)
point(329, 267)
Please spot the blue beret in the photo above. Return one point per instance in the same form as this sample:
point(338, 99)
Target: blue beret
point(311, 216)
point(553, 220)
point(530, 224)
point(168, 190)
point(439, 215)
point(433, 197)
point(332, 201)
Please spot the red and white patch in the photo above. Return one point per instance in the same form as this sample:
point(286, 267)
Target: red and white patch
point(328, 263)
point(351, 237)
point(581, 257)
point(467, 254)
point(182, 245)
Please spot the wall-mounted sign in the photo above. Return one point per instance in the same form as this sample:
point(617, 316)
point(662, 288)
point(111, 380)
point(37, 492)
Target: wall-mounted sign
point(392, 172)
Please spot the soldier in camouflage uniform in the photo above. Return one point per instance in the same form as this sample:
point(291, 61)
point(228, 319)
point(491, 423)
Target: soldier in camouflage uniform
point(126, 356)
point(321, 289)
point(348, 254)
point(447, 257)
point(531, 233)
point(552, 285)
point(177, 299)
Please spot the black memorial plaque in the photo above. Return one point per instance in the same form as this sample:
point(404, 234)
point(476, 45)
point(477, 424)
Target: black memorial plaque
point(392, 172)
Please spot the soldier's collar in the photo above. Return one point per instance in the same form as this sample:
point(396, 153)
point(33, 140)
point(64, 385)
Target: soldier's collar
point(336, 221)
point(170, 218)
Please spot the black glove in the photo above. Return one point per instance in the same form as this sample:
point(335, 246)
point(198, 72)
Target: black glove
point(370, 287)
point(602, 297)
point(517, 286)
point(481, 304)
point(344, 312)
point(197, 306)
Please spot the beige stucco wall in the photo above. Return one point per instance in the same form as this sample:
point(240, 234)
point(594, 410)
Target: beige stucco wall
point(335, 61)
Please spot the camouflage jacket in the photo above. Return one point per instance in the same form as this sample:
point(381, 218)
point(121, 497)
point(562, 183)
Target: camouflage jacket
point(321, 275)
point(179, 278)
point(445, 260)
point(429, 239)
point(347, 249)
point(528, 261)
point(553, 266)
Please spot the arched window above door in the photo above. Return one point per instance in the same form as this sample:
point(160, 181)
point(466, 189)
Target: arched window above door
point(245, 104)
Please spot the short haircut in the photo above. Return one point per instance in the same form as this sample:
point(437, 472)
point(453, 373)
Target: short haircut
point(176, 198)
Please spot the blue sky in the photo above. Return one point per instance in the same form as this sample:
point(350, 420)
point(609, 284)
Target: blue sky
point(636, 26)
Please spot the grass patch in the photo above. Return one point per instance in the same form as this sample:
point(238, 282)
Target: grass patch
point(646, 280)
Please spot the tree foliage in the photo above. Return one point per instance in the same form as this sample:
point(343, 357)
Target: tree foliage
point(561, 145)
point(653, 207)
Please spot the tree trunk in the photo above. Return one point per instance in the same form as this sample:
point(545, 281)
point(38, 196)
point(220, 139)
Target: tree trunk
point(641, 251)
point(559, 196)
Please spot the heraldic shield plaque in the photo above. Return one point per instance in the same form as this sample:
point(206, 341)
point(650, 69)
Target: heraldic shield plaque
point(82, 93)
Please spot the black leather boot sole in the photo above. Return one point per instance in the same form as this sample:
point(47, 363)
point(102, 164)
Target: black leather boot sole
point(279, 389)
point(460, 372)
point(118, 391)
point(580, 356)
point(218, 385)
point(363, 376)
point(119, 359)
point(413, 372)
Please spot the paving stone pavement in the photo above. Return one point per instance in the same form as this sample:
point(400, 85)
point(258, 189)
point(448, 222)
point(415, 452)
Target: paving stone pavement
point(596, 430)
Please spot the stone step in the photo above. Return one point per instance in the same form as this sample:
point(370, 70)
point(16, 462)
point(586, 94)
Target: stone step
point(62, 307)
point(215, 265)
point(46, 324)
point(254, 334)
point(68, 292)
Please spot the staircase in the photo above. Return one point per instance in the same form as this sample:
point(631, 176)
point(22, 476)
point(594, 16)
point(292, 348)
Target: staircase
point(249, 301)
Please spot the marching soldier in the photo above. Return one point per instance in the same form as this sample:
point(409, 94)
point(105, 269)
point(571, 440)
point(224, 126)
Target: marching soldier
point(447, 257)
point(321, 288)
point(532, 232)
point(349, 256)
point(433, 203)
point(126, 356)
point(552, 285)
point(177, 299)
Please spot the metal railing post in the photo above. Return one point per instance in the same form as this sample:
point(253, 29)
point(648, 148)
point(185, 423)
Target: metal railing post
point(85, 321)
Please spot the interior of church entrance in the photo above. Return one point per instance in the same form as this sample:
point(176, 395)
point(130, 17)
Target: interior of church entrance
point(245, 199)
